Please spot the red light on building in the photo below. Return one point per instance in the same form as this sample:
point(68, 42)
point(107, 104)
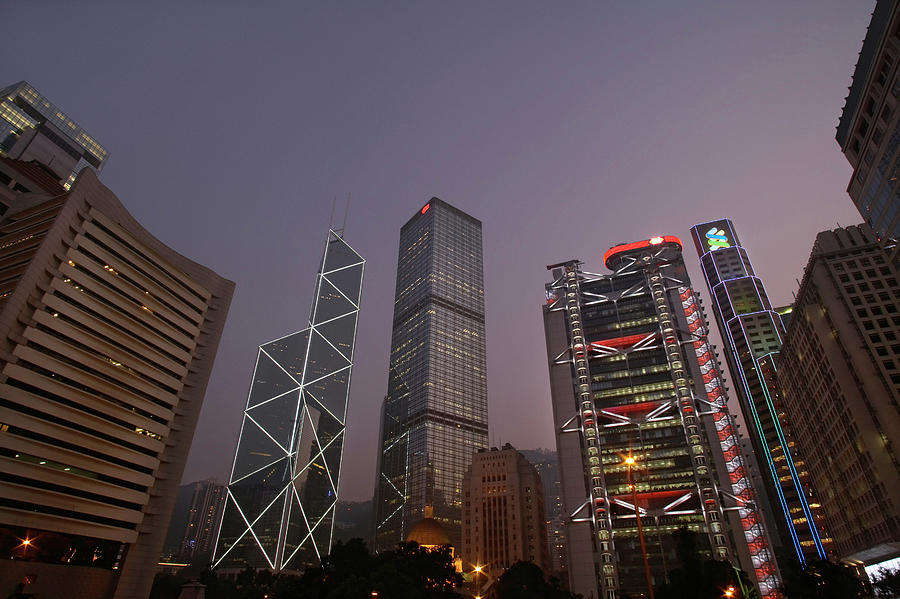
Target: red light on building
point(640, 244)
point(426, 207)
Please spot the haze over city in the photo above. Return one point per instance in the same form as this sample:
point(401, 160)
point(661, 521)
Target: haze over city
point(565, 130)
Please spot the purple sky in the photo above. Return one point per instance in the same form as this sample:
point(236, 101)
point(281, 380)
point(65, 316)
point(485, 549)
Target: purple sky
point(564, 127)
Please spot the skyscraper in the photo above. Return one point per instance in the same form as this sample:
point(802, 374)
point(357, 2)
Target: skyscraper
point(646, 443)
point(752, 332)
point(435, 413)
point(279, 512)
point(198, 536)
point(869, 128)
point(34, 129)
point(107, 340)
point(839, 372)
point(504, 520)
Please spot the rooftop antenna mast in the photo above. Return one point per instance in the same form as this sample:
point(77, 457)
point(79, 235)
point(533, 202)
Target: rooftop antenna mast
point(331, 218)
point(346, 212)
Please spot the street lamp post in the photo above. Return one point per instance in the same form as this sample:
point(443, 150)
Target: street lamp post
point(637, 514)
point(740, 580)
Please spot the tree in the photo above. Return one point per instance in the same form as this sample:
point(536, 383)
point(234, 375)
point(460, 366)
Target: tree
point(215, 587)
point(887, 583)
point(524, 580)
point(701, 579)
point(822, 579)
point(165, 586)
point(350, 572)
point(411, 571)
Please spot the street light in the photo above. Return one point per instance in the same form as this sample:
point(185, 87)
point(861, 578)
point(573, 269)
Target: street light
point(475, 586)
point(630, 461)
point(740, 580)
point(729, 592)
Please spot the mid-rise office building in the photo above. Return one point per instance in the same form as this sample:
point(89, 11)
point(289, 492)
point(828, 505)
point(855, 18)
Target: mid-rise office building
point(547, 465)
point(34, 129)
point(752, 332)
point(645, 441)
point(839, 373)
point(504, 520)
point(107, 340)
point(785, 313)
point(435, 414)
point(21, 180)
point(869, 128)
point(282, 493)
point(559, 553)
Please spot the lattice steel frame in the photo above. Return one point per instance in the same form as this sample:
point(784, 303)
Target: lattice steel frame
point(313, 367)
point(566, 295)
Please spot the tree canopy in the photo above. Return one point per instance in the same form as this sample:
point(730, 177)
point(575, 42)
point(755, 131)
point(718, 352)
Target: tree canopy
point(524, 580)
point(697, 578)
point(821, 579)
point(349, 572)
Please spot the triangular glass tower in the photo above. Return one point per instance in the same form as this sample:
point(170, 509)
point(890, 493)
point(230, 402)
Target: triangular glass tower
point(279, 511)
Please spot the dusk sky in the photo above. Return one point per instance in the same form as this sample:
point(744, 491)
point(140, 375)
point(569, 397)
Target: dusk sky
point(565, 127)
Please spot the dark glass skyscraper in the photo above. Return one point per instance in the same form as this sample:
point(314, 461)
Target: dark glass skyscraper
point(279, 511)
point(435, 413)
point(646, 443)
point(752, 332)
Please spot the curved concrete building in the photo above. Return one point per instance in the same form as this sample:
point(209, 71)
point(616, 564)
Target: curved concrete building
point(107, 341)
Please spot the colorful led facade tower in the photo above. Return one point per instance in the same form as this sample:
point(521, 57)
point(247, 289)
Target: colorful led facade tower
point(279, 512)
point(752, 332)
point(435, 413)
point(646, 443)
